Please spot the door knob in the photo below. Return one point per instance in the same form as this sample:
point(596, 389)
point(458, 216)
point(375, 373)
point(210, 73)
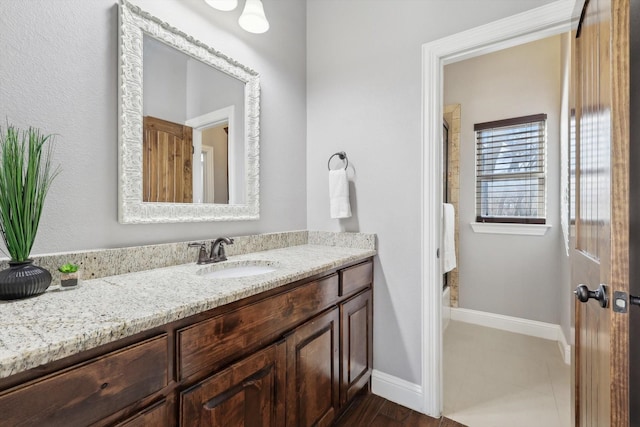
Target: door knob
point(583, 294)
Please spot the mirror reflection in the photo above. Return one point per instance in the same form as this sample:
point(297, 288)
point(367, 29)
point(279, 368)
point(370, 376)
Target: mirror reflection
point(184, 91)
point(193, 139)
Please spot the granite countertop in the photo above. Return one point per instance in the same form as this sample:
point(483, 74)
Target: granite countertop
point(61, 323)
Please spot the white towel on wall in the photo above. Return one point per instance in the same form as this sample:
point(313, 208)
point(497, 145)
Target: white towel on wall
point(448, 238)
point(339, 194)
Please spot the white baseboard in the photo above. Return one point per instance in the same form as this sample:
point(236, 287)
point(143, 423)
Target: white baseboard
point(532, 328)
point(397, 390)
point(565, 347)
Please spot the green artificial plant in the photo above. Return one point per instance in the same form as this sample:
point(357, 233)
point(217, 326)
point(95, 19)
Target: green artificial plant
point(68, 268)
point(26, 173)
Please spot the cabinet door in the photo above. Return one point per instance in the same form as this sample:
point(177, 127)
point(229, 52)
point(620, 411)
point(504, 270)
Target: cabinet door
point(356, 339)
point(249, 393)
point(312, 372)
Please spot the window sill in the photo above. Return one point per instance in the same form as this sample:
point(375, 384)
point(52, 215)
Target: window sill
point(519, 229)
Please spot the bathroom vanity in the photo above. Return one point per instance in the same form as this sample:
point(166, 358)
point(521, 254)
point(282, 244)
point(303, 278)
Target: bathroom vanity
point(270, 350)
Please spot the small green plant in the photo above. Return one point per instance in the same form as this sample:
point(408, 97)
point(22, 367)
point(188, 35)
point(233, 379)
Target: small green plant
point(26, 174)
point(68, 268)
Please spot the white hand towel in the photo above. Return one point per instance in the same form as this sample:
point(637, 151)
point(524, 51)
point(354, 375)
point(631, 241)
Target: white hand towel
point(448, 238)
point(339, 194)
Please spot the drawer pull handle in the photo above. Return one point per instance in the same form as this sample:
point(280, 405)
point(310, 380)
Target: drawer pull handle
point(250, 381)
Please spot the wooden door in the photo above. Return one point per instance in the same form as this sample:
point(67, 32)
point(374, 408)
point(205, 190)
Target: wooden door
point(249, 393)
point(167, 158)
point(601, 253)
point(312, 372)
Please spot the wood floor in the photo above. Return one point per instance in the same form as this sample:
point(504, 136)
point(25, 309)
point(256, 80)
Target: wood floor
point(369, 410)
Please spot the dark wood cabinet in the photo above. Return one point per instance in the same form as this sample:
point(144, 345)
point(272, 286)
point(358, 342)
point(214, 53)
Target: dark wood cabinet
point(290, 357)
point(211, 343)
point(313, 352)
point(248, 393)
point(356, 337)
point(353, 279)
point(156, 415)
point(88, 392)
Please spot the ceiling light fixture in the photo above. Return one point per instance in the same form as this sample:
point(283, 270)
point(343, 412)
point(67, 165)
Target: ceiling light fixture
point(225, 5)
point(253, 19)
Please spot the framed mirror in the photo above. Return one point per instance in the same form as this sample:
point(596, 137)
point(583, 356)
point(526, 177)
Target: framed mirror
point(189, 126)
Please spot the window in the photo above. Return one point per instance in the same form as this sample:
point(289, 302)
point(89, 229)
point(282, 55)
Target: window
point(510, 170)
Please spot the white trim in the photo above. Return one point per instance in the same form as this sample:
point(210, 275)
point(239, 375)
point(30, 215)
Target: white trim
point(209, 179)
point(503, 228)
point(533, 328)
point(544, 21)
point(215, 118)
point(565, 347)
point(196, 168)
point(397, 390)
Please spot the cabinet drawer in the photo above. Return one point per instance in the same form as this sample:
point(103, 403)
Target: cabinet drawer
point(85, 393)
point(157, 415)
point(211, 343)
point(354, 278)
point(248, 393)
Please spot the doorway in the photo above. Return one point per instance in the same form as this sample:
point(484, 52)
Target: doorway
point(552, 19)
point(499, 264)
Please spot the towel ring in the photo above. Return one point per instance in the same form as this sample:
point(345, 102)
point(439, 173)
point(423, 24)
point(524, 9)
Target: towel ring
point(343, 156)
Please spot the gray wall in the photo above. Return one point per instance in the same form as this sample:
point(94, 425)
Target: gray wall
point(514, 275)
point(364, 88)
point(362, 94)
point(164, 82)
point(59, 73)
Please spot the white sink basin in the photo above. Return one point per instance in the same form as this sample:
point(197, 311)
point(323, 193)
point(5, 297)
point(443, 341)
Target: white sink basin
point(231, 270)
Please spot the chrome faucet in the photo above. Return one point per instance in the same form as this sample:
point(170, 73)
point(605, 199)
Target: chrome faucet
point(217, 249)
point(216, 254)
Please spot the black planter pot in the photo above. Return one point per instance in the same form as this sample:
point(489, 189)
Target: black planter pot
point(22, 280)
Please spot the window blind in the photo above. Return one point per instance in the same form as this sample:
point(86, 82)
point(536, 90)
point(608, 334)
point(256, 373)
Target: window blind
point(510, 170)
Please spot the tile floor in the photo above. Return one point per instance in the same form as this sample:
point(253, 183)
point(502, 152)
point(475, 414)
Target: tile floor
point(494, 378)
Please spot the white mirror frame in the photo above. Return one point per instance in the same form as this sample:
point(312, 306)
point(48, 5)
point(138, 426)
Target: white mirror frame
point(134, 23)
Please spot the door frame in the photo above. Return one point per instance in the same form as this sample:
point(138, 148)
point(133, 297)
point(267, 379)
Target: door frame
point(215, 118)
point(208, 191)
point(545, 21)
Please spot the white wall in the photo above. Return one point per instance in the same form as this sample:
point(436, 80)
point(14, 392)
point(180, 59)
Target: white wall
point(364, 97)
point(514, 275)
point(59, 73)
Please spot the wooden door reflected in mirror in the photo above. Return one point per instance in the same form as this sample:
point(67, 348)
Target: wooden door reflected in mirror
point(167, 162)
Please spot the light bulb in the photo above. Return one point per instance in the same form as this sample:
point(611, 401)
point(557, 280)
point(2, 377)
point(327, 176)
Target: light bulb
point(225, 5)
point(253, 19)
